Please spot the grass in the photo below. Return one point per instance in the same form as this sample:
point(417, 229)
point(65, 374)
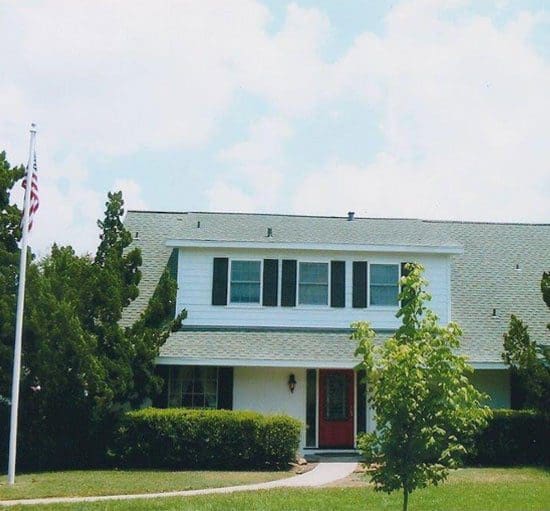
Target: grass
point(487, 489)
point(115, 482)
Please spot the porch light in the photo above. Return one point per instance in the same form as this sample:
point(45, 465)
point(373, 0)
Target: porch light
point(291, 382)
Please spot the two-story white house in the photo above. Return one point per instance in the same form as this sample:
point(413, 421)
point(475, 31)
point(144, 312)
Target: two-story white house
point(270, 300)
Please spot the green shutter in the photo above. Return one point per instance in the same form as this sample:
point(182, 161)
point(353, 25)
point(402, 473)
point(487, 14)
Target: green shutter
point(219, 281)
point(360, 283)
point(288, 283)
point(160, 400)
point(225, 388)
point(311, 407)
point(337, 283)
point(270, 282)
point(361, 403)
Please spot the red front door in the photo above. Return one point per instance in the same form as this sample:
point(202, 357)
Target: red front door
point(336, 408)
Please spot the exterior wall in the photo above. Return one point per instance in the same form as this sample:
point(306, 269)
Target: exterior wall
point(195, 267)
point(496, 383)
point(266, 390)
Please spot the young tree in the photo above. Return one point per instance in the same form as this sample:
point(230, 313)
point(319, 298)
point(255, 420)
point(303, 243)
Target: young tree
point(426, 409)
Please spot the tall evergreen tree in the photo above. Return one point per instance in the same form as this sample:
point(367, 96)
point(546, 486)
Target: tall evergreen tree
point(80, 367)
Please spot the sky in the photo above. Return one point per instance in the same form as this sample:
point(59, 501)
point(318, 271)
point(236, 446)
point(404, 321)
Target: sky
point(436, 109)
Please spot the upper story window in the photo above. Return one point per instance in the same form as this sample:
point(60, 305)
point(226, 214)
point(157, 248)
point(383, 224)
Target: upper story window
point(245, 281)
point(384, 284)
point(313, 284)
point(193, 387)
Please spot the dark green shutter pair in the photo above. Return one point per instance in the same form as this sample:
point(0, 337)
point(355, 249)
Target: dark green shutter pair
point(271, 279)
point(220, 281)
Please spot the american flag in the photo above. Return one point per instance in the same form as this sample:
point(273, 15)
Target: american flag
point(33, 208)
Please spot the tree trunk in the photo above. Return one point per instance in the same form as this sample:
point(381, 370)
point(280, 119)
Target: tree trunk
point(405, 499)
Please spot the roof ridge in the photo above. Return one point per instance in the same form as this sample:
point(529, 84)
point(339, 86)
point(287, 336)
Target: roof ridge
point(291, 215)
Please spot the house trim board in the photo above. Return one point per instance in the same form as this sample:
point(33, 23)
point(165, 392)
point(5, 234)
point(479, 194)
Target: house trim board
point(331, 247)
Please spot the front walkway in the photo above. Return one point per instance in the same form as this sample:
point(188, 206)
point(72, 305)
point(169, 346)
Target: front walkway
point(323, 473)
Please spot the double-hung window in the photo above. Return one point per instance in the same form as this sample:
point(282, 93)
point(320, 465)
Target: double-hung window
point(313, 284)
point(245, 281)
point(193, 387)
point(384, 284)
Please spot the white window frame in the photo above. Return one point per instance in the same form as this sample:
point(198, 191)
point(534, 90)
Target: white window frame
point(245, 304)
point(369, 283)
point(312, 305)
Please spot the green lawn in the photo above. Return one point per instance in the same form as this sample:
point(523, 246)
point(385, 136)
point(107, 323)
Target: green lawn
point(114, 482)
point(466, 490)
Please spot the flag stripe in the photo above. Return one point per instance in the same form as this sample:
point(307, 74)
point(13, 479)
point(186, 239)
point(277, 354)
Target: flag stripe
point(34, 200)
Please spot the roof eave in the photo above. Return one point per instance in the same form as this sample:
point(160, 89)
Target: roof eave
point(333, 247)
point(309, 364)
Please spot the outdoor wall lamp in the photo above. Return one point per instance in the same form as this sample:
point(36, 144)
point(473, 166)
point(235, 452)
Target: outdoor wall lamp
point(291, 382)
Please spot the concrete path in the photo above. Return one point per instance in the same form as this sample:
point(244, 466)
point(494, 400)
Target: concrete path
point(323, 473)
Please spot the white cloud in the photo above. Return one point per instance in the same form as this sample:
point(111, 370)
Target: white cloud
point(462, 105)
point(255, 165)
point(111, 78)
point(465, 114)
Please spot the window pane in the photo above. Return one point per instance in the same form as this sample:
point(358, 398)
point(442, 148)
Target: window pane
point(336, 397)
point(313, 287)
point(245, 271)
point(210, 386)
point(384, 295)
point(245, 281)
point(313, 294)
point(314, 273)
point(245, 293)
point(211, 372)
point(384, 274)
point(210, 401)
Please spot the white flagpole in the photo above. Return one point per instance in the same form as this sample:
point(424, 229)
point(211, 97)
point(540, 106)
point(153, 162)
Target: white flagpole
point(19, 314)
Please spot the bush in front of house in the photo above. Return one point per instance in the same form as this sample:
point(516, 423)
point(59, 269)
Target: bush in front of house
point(513, 437)
point(177, 438)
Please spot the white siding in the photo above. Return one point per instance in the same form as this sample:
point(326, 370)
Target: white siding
point(266, 390)
point(495, 383)
point(195, 291)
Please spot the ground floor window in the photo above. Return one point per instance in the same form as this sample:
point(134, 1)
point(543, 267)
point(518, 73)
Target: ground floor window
point(193, 387)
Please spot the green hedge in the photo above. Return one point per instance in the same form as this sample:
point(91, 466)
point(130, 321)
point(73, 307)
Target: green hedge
point(213, 439)
point(513, 437)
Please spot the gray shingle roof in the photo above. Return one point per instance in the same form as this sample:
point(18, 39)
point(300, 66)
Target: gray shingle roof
point(261, 346)
point(483, 277)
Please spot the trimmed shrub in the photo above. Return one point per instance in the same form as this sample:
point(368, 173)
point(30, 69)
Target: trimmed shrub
point(513, 437)
point(211, 439)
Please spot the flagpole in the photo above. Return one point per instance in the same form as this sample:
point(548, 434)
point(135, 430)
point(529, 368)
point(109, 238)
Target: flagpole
point(19, 314)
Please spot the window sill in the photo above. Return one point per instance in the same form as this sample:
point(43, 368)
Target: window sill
point(244, 306)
